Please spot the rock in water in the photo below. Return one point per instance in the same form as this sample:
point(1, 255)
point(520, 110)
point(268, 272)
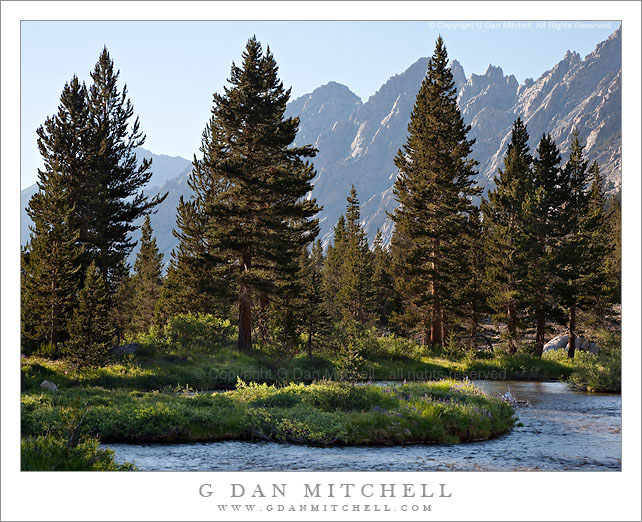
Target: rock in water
point(48, 386)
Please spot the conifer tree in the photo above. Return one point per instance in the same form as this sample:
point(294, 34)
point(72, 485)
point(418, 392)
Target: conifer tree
point(614, 257)
point(123, 307)
point(473, 292)
point(314, 319)
point(50, 262)
point(542, 213)
point(356, 295)
point(254, 183)
point(91, 329)
point(146, 280)
point(595, 232)
point(110, 195)
point(505, 222)
point(386, 299)
point(332, 269)
point(574, 258)
point(434, 189)
point(201, 277)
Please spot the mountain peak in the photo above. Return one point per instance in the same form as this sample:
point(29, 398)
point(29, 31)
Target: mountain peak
point(333, 88)
point(572, 57)
point(494, 72)
point(459, 76)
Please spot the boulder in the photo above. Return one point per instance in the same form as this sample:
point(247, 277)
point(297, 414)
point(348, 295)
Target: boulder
point(125, 348)
point(561, 343)
point(48, 386)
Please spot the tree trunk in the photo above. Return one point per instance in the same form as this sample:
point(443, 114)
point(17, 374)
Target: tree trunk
point(512, 329)
point(245, 309)
point(436, 329)
point(541, 331)
point(262, 318)
point(474, 326)
point(245, 319)
point(309, 344)
point(571, 333)
point(444, 326)
point(425, 330)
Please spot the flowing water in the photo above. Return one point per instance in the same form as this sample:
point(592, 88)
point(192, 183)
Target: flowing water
point(562, 430)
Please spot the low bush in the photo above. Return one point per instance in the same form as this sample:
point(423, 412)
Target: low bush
point(601, 372)
point(51, 453)
point(196, 331)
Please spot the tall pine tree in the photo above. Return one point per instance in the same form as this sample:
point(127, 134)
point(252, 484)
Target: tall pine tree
point(255, 182)
point(574, 259)
point(50, 262)
point(505, 222)
point(542, 212)
point(434, 189)
point(111, 195)
point(597, 286)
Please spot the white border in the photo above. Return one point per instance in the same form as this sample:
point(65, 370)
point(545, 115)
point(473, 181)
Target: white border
point(171, 496)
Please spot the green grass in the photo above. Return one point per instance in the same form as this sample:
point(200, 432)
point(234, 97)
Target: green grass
point(321, 414)
point(221, 368)
point(198, 352)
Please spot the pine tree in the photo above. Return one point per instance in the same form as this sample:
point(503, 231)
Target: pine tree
point(386, 298)
point(50, 261)
point(434, 189)
point(505, 222)
point(355, 297)
point(111, 198)
point(473, 293)
point(254, 183)
point(333, 269)
point(614, 257)
point(573, 258)
point(596, 283)
point(541, 213)
point(123, 308)
point(200, 277)
point(314, 319)
point(91, 329)
point(146, 280)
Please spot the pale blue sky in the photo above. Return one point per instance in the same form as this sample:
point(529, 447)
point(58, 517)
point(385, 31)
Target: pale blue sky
point(173, 68)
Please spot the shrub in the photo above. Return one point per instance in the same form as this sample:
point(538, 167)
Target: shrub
point(599, 372)
point(51, 453)
point(400, 348)
point(48, 351)
point(196, 331)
